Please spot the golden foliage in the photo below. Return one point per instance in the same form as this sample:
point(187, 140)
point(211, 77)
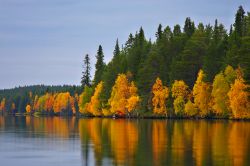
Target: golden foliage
point(190, 109)
point(230, 74)
point(28, 108)
point(239, 99)
point(132, 103)
point(2, 104)
point(160, 94)
point(49, 101)
point(13, 106)
point(124, 96)
point(219, 94)
point(84, 98)
point(62, 102)
point(179, 88)
point(94, 106)
point(202, 94)
point(179, 105)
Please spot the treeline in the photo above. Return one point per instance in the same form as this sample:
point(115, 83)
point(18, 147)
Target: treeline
point(19, 97)
point(195, 71)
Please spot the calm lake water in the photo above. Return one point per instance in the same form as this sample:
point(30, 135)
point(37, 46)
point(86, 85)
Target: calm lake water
point(73, 142)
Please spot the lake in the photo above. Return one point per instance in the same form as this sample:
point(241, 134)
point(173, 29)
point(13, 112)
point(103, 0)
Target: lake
point(51, 141)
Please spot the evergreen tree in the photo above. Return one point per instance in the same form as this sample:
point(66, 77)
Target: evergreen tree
point(189, 27)
point(86, 72)
point(177, 30)
point(137, 54)
point(192, 58)
point(147, 75)
point(117, 65)
point(213, 61)
point(235, 39)
point(99, 66)
point(239, 21)
point(159, 32)
point(117, 49)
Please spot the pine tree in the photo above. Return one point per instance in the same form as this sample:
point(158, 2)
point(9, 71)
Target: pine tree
point(86, 72)
point(191, 59)
point(159, 32)
point(189, 27)
point(117, 48)
point(99, 66)
point(239, 21)
point(213, 60)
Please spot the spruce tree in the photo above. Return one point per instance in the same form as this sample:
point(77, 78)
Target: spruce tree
point(85, 81)
point(117, 48)
point(159, 33)
point(99, 66)
point(213, 60)
point(189, 27)
point(239, 22)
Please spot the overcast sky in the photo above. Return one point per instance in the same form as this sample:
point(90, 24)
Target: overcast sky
point(44, 41)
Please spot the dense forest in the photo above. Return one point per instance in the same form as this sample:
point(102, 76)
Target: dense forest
point(192, 71)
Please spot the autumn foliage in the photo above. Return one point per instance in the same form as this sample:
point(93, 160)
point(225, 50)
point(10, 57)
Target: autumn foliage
point(95, 106)
point(124, 98)
point(160, 94)
point(226, 97)
point(202, 94)
point(239, 99)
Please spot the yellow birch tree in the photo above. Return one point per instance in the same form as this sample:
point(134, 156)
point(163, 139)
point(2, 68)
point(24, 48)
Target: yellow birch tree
point(160, 94)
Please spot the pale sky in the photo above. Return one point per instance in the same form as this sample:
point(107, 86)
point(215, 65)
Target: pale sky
point(44, 41)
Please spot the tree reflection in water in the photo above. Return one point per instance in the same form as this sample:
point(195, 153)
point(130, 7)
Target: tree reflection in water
point(142, 142)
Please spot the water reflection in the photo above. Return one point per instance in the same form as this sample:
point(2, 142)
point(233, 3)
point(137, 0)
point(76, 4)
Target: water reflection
point(138, 142)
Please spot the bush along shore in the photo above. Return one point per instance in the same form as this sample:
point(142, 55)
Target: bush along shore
point(198, 71)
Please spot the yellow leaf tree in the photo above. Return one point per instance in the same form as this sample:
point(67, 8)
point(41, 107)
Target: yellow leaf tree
point(179, 93)
point(94, 106)
point(202, 94)
point(62, 103)
point(49, 102)
point(84, 99)
point(160, 94)
point(190, 109)
point(28, 108)
point(179, 88)
point(124, 98)
point(134, 99)
point(2, 105)
point(219, 94)
point(239, 99)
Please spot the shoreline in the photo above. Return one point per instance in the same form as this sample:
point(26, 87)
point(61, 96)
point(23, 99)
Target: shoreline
point(156, 117)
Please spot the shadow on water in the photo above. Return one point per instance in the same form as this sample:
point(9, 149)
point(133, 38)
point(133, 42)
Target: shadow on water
point(123, 142)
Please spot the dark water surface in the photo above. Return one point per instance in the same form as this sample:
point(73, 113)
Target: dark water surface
point(58, 141)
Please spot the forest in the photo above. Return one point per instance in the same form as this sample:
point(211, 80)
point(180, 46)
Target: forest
point(194, 71)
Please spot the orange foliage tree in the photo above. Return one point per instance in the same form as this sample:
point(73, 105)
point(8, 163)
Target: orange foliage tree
point(2, 105)
point(202, 94)
point(63, 103)
point(179, 88)
point(95, 105)
point(28, 108)
point(160, 94)
point(239, 99)
point(124, 98)
point(179, 93)
point(84, 99)
point(13, 106)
